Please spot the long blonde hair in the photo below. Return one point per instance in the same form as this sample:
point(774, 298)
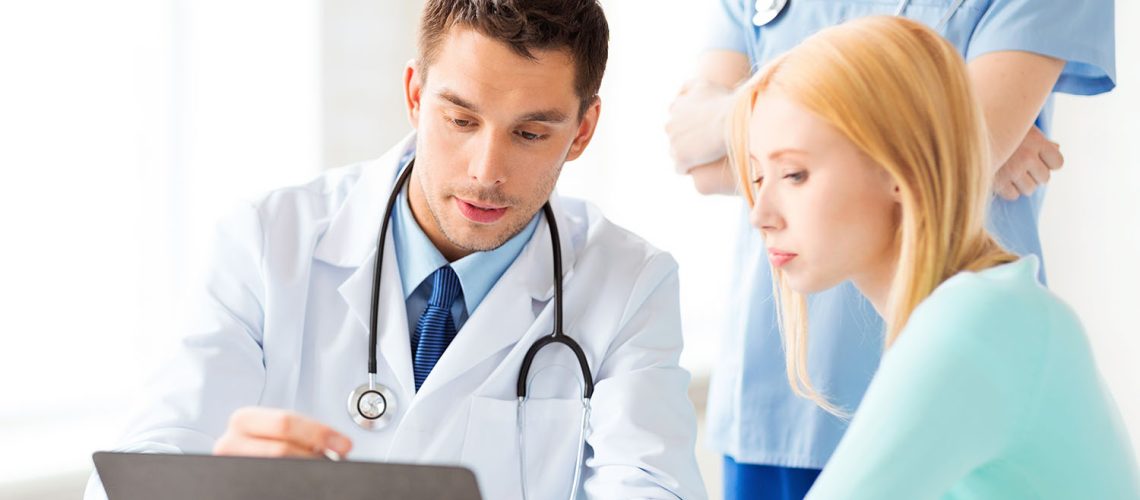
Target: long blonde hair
point(901, 94)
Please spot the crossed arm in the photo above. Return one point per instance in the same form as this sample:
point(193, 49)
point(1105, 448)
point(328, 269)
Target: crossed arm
point(1011, 87)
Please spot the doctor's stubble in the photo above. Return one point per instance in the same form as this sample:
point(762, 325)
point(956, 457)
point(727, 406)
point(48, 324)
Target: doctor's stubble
point(512, 223)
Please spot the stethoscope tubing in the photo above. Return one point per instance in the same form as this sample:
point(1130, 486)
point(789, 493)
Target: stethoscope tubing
point(557, 336)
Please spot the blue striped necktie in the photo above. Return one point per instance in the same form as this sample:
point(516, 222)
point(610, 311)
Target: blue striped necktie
point(436, 328)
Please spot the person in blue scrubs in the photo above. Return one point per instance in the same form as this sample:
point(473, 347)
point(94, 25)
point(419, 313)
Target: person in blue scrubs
point(1019, 52)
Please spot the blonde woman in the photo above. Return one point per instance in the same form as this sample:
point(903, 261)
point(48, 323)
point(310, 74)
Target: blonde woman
point(863, 155)
point(1019, 52)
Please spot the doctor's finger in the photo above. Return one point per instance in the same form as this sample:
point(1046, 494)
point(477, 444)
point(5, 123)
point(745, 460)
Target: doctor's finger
point(245, 446)
point(270, 423)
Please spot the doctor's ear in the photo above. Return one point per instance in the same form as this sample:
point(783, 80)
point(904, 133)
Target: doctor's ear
point(586, 127)
point(413, 91)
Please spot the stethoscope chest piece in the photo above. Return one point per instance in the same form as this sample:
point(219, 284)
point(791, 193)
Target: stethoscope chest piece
point(767, 10)
point(371, 406)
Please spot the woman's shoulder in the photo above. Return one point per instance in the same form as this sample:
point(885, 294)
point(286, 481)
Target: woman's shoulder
point(1006, 300)
point(1002, 314)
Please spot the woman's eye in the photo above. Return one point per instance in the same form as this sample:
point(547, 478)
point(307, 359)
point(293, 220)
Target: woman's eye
point(758, 180)
point(797, 177)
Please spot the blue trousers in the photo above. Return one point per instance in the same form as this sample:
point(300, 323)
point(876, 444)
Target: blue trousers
point(765, 482)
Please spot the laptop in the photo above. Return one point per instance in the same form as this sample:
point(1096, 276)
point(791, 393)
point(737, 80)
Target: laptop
point(148, 476)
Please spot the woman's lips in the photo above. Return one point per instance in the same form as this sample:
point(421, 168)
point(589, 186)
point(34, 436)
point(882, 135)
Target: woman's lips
point(480, 213)
point(779, 258)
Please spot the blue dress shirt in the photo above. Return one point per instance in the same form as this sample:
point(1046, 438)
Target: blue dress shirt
point(418, 258)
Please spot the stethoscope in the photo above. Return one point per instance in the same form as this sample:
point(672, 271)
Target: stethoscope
point(372, 405)
point(769, 10)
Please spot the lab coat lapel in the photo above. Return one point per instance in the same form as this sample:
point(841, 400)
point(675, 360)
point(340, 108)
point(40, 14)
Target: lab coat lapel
point(351, 236)
point(351, 241)
point(507, 314)
point(393, 345)
point(539, 281)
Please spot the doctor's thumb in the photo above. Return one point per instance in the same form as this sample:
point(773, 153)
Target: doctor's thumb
point(338, 443)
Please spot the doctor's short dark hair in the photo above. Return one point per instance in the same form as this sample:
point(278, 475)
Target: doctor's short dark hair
point(577, 26)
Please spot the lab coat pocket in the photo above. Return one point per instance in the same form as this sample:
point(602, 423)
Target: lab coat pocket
point(491, 446)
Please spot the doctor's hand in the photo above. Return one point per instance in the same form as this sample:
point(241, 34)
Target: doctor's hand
point(1029, 167)
point(696, 124)
point(270, 432)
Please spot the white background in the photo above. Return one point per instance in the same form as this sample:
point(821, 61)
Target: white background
point(127, 126)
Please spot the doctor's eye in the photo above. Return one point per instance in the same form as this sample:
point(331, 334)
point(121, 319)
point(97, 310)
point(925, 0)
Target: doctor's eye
point(529, 136)
point(459, 122)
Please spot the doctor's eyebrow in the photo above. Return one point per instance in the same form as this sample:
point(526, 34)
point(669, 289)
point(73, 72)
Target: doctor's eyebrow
point(546, 116)
point(451, 97)
point(552, 116)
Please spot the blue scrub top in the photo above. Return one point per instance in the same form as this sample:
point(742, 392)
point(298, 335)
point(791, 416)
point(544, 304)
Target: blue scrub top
point(752, 414)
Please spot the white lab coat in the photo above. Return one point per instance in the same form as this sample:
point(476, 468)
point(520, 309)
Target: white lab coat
point(285, 325)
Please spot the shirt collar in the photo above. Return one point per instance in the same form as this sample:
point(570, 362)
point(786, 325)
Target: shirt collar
point(418, 258)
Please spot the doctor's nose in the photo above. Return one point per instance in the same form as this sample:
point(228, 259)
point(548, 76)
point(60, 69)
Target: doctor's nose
point(488, 166)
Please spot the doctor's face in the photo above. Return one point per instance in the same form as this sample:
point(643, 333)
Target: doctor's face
point(493, 130)
point(828, 213)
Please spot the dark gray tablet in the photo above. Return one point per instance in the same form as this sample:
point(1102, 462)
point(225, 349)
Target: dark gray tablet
point(149, 476)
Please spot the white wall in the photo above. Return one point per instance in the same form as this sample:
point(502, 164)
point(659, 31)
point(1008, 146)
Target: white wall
point(1091, 221)
point(126, 128)
point(364, 47)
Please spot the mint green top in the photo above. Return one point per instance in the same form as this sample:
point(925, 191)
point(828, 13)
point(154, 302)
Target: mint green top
point(990, 392)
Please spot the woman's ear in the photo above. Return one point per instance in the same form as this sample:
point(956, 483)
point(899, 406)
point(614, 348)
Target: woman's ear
point(892, 185)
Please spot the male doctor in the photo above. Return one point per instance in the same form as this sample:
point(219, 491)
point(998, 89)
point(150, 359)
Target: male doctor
point(502, 93)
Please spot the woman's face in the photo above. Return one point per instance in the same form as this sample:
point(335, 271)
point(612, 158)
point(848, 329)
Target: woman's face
point(827, 212)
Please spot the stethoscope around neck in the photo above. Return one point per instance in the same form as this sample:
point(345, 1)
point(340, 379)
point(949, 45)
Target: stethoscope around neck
point(769, 10)
point(372, 406)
